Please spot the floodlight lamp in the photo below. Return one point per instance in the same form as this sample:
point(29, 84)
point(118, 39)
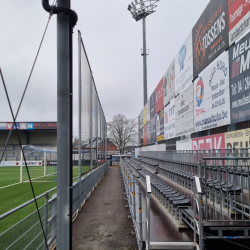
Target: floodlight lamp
point(136, 2)
point(129, 7)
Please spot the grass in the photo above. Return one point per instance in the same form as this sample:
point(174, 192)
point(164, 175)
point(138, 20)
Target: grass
point(13, 196)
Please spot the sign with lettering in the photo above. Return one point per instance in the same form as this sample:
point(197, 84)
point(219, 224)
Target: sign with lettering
point(169, 84)
point(169, 120)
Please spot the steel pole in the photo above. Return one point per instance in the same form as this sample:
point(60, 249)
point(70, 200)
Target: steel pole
point(91, 119)
point(64, 129)
point(96, 160)
point(145, 90)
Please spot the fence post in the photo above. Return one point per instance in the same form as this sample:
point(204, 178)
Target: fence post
point(46, 204)
point(134, 212)
point(96, 131)
point(21, 168)
point(140, 217)
point(148, 192)
point(91, 121)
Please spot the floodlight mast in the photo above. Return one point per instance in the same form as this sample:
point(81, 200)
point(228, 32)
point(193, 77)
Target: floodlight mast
point(139, 10)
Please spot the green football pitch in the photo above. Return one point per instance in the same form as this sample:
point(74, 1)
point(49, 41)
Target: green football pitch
point(13, 193)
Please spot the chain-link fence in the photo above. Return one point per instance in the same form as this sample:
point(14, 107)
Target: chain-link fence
point(92, 122)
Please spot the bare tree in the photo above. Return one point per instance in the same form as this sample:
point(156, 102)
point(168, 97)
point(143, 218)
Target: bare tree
point(122, 131)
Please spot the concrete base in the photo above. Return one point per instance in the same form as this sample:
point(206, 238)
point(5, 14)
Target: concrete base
point(173, 245)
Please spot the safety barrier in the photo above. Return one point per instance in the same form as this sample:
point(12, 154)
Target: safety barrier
point(27, 233)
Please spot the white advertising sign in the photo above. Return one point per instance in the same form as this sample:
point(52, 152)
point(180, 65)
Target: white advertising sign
point(211, 95)
point(18, 163)
point(169, 84)
point(169, 120)
point(184, 109)
point(184, 145)
point(184, 65)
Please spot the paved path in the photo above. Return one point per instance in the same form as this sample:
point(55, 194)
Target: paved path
point(103, 221)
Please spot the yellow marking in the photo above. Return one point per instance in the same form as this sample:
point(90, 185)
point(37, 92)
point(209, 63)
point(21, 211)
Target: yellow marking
point(133, 194)
point(130, 184)
point(140, 210)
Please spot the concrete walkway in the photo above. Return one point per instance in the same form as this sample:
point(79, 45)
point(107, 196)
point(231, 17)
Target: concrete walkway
point(103, 221)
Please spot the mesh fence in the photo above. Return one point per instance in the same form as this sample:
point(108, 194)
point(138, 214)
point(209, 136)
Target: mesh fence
point(92, 122)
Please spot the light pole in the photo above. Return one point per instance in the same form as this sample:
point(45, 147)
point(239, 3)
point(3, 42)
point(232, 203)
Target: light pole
point(139, 10)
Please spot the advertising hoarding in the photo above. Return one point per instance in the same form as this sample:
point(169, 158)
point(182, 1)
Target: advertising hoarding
point(153, 105)
point(159, 96)
point(184, 117)
point(141, 136)
point(169, 120)
point(148, 110)
point(145, 135)
point(184, 65)
point(148, 133)
point(239, 18)
point(184, 145)
point(153, 128)
point(145, 115)
point(169, 84)
point(160, 126)
point(238, 139)
point(240, 80)
point(28, 125)
point(141, 120)
point(210, 35)
point(209, 142)
point(211, 95)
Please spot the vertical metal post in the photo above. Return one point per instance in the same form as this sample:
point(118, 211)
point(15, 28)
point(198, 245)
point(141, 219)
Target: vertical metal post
point(140, 216)
point(44, 159)
point(46, 204)
point(97, 130)
point(64, 129)
point(79, 117)
point(100, 112)
point(134, 210)
point(148, 192)
point(145, 94)
point(91, 119)
point(21, 168)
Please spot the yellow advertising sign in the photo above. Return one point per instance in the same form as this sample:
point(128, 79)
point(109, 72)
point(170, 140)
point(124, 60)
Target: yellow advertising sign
point(238, 139)
point(145, 115)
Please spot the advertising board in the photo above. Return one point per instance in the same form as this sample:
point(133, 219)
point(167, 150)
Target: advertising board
point(145, 135)
point(239, 63)
point(184, 145)
point(148, 110)
point(239, 18)
point(153, 128)
point(238, 139)
point(184, 117)
point(28, 125)
point(159, 96)
point(184, 65)
point(209, 142)
point(148, 133)
point(169, 84)
point(160, 126)
point(210, 35)
point(141, 120)
point(169, 120)
point(211, 95)
point(153, 105)
point(141, 136)
point(145, 115)
point(18, 163)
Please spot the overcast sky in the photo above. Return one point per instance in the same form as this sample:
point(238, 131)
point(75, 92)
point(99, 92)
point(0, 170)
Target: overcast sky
point(113, 41)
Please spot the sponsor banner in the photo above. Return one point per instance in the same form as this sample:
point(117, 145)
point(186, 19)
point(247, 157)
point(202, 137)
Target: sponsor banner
point(209, 142)
point(145, 135)
point(148, 110)
point(28, 125)
point(210, 35)
point(148, 133)
point(141, 120)
point(169, 120)
point(145, 115)
point(45, 125)
point(160, 126)
point(184, 145)
point(240, 80)
point(169, 84)
point(18, 163)
point(239, 18)
point(211, 96)
point(153, 105)
point(141, 136)
point(238, 139)
point(153, 128)
point(2, 125)
point(159, 96)
point(184, 65)
point(184, 117)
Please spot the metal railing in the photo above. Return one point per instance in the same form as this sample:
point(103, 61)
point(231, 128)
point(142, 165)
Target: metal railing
point(27, 233)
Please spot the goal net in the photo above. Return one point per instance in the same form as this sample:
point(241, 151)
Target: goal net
point(41, 163)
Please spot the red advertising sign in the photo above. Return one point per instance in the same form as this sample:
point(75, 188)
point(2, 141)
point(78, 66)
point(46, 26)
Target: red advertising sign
point(159, 96)
point(238, 15)
point(45, 125)
point(9, 125)
point(209, 142)
point(145, 135)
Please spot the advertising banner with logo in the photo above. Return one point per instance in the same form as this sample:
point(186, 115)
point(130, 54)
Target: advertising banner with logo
point(148, 110)
point(141, 119)
point(169, 120)
point(239, 18)
point(238, 139)
point(209, 142)
point(159, 96)
point(153, 128)
point(169, 84)
point(160, 126)
point(211, 96)
point(18, 163)
point(184, 65)
point(153, 105)
point(145, 115)
point(184, 109)
point(141, 136)
point(145, 135)
point(210, 35)
point(240, 80)
point(148, 133)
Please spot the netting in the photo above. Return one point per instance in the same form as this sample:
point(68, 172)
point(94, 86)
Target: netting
point(92, 122)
